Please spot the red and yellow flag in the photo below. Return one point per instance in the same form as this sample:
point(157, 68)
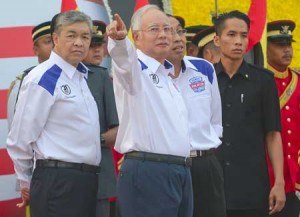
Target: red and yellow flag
point(258, 17)
point(68, 5)
point(138, 5)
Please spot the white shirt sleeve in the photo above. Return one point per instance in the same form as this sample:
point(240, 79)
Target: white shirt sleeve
point(216, 107)
point(31, 114)
point(125, 64)
point(11, 102)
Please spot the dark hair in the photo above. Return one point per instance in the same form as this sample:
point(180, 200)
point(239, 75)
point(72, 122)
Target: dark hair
point(219, 21)
point(179, 19)
point(209, 46)
point(53, 23)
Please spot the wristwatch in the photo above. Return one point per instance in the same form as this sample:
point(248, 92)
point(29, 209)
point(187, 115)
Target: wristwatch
point(102, 139)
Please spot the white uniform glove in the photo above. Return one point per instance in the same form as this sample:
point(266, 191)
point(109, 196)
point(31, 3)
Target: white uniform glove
point(298, 194)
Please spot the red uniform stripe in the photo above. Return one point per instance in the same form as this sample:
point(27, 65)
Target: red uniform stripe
point(67, 5)
point(6, 166)
point(16, 42)
point(8, 208)
point(3, 103)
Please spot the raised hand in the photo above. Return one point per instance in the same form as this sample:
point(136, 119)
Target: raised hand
point(117, 29)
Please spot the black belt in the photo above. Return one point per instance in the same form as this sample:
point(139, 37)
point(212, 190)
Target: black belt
point(202, 153)
point(185, 161)
point(67, 165)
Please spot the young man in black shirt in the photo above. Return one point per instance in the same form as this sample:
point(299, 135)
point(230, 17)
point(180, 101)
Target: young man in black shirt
point(251, 122)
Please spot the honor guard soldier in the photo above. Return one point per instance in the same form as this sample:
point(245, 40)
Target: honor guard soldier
point(279, 57)
point(297, 186)
point(101, 88)
point(192, 48)
point(42, 46)
point(204, 39)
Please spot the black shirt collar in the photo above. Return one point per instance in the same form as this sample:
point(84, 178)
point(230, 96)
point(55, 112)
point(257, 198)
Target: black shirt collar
point(244, 69)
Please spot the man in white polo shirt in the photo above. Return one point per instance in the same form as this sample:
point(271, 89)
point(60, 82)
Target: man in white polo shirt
point(196, 79)
point(154, 179)
point(56, 122)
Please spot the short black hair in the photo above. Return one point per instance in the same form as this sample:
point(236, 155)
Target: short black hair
point(219, 20)
point(179, 19)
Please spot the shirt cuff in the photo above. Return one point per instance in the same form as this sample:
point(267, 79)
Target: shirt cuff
point(24, 184)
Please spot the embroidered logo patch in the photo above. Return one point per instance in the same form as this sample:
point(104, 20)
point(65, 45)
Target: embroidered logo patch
point(66, 89)
point(154, 78)
point(197, 84)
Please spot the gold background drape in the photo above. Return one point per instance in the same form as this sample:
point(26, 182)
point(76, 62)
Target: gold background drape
point(196, 12)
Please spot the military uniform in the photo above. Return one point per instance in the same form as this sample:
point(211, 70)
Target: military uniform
point(101, 88)
point(297, 185)
point(288, 85)
point(203, 37)
point(191, 47)
point(37, 32)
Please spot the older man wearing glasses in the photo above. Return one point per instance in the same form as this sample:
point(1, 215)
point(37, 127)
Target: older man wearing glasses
point(153, 134)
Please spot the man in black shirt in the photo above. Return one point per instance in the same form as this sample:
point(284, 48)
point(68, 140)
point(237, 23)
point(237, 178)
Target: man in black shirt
point(251, 120)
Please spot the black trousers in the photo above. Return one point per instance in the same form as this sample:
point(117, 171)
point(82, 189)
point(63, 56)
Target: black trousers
point(58, 192)
point(291, 208)
point(208, 187)
point(248, 213)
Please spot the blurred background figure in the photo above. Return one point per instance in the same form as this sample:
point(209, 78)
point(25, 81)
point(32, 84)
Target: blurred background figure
point(42, 46)
point(97, 48)
point(101, 88)
point(204, 41)
point(192, 48)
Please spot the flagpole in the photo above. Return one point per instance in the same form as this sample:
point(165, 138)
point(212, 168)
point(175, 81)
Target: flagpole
point(216, 8)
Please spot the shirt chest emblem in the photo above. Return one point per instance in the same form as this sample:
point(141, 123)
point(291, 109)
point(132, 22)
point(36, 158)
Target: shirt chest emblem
point(154, 78)
point(197, 84)
point(65, 89)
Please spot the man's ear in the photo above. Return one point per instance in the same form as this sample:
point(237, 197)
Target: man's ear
point(35, 50)
point(135, 36)
point(55, 38)
point(208, 55)
point(217, 40)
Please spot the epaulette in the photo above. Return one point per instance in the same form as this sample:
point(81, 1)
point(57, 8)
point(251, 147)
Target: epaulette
point(93, 65)
point(297, 71)
point(265, 70)
point(19, 77)
point(28, 70)
point(25, 72)
point(12, 84)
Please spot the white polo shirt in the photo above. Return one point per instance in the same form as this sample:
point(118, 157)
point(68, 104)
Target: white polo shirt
point(199, 87)
point(152, 113)
point(56, 117)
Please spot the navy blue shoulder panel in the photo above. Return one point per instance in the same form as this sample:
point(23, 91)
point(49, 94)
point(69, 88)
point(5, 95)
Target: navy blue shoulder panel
point(143, 65)
point(49, 79)
point(204, 68)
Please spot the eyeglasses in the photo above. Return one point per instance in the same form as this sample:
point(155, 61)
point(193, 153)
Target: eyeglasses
point(180, 32)
point(156, 30)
